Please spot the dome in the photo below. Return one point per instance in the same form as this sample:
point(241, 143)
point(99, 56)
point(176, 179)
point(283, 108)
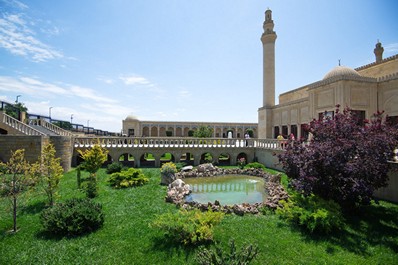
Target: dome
point(131, 118)
point(341, 71)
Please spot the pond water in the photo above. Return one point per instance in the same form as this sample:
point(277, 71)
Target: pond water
point(228, 189)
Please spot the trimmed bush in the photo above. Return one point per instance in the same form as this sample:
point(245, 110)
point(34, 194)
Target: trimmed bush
point(188, 227)
point(312, 213)
point(73, 217)
point(114, 167)
point(127, 178)
point(255, 165)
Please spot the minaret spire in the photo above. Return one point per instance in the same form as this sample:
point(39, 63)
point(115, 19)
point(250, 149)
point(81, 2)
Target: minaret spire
point(378, 51)
point(268, 39)
point(265, 112)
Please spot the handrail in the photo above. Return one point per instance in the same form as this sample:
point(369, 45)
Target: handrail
point(177, 142)
point(51, 127)
point(19, 126)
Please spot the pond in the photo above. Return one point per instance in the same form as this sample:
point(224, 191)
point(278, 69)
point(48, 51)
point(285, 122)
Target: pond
point(227, 189)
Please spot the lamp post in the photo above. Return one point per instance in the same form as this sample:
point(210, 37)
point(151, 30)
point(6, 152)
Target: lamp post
point(16, 101)
point(49, 113)
point(88, 126)
point(71, 119)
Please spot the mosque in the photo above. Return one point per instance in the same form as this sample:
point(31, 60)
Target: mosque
point(365, 89)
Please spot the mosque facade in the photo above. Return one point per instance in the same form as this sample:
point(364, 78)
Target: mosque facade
point(365, 89)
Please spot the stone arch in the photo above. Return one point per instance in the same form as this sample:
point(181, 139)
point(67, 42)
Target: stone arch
point(178, 132)
point(127, 159)
point(224, 159)
point(145, 131)
point(206, 157)
point(154, 131)
point(3, 131)
point(242, 155)
point(218, 132)
point(186, 130)
point(147, 160)
point(162, 132)
point(187, 158)
point(167, 157)
point(240, 133)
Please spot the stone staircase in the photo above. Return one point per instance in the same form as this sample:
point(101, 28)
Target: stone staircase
point(37, 127)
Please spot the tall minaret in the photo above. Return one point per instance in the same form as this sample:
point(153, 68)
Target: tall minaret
point(265, 112)
point(378, 51)
point(268, 39)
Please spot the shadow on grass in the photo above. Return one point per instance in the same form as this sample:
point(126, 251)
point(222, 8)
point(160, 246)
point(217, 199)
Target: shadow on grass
point(373, 225)
point(33, 208)
point(172, 248)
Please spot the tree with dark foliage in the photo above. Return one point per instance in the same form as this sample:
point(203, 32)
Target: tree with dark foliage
point(346, 159)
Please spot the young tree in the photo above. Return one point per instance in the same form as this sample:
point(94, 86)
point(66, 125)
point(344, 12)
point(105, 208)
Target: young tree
point(203, 132)
point(15, 178)
point(93, 160)
point(51, 171)
point(345, 160)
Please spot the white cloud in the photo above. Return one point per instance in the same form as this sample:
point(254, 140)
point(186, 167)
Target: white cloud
point(19, 39)
point(35, 87)
point(134, 80)
point(15, 3)
point(393, 47)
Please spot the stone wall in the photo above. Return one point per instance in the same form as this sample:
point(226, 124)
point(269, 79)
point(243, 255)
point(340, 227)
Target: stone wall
point(32, 144)
point(269, 158)
point(64, 150)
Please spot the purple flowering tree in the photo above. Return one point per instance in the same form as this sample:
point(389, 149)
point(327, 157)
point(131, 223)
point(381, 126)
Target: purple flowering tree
point(346, 159)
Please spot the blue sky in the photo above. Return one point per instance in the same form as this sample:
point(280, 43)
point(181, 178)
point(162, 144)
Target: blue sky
point(176, 60)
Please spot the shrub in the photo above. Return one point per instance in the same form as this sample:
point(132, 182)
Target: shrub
point(312, 213)
point(241, 162)
point(114, 167)
point(188, 227)
point(73, 217)
point(221, 257)
point(255, 165)
point(127, 178)
point(180, 165)
point(346, 160)
point(168, 168)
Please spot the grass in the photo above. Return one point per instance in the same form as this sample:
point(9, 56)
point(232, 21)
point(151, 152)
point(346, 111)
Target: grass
point(369, 237)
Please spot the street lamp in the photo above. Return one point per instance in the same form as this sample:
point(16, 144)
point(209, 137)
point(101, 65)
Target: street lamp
point(71, 118)
point(49, 113)
point(88, 126)
point(16, 101)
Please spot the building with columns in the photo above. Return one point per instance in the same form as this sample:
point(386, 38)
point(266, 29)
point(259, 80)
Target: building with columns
point(133, 127)
point(365, 89)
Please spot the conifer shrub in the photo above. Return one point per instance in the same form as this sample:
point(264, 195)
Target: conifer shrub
point(114, 167)
point(220, 257)
point(188, 227)
point(131, 177)
point(75, 216)
point(312, 213)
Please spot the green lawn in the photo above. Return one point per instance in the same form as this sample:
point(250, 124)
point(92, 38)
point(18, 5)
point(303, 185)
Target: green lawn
point(370, 236)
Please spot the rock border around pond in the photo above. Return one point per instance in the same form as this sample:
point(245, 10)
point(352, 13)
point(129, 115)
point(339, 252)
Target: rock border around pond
point(178, 190)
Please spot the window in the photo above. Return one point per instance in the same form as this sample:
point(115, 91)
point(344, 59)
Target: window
point(276, 131)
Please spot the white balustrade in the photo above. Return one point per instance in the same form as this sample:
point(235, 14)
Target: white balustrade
point(19, 126)
point(177, 142)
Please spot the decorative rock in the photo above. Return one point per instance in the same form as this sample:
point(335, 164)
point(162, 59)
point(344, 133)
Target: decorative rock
point(166, 179)
point(187, 168)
